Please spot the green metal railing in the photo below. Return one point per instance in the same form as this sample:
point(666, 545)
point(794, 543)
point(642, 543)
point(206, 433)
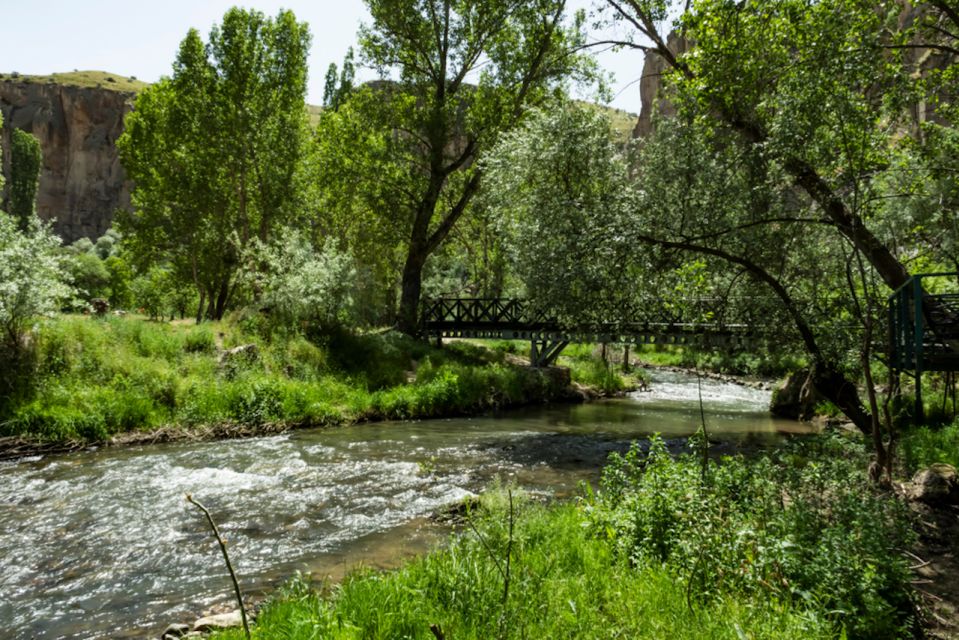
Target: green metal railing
point(923, 329)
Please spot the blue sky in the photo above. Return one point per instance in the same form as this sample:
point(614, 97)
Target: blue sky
point(140, 38)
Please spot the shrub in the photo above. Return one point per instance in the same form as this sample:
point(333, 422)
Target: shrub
point(302, 284)
point(199, 340)
point(804, 527)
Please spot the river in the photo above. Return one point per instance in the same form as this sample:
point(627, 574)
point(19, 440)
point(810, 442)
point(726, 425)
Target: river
point(102, 544)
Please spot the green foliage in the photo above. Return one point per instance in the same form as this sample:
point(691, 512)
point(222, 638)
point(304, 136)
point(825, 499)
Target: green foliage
point(924, 446)
point(216, 151)
point(336, 90)
point(560, 184)
point(453, 97)
point(25, 163)
point(300, 285)
point(804, 526)
point(31, 277)
point(564, 583)
point(89, 275)
point(589, 369)
point(150, 292)
point(120, 279)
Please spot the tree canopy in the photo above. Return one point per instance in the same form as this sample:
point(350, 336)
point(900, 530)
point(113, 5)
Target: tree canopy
point(467, 71)
point(216, 150)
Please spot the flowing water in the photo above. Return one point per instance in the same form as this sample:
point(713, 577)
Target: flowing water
point(102, 544)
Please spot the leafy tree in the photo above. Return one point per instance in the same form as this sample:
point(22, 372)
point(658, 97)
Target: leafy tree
point(26, 160)
point(89, 275)
point(31, 285)
point(215, 151)
point(337, 88)
point(468, 70)
point(120, 278)
point(817, 96)
point(807, 81)
point(151, 292)
point(561, 192)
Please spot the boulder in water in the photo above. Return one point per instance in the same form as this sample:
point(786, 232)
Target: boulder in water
point(795, 398)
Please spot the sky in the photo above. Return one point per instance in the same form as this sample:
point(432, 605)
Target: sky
point(138, 38)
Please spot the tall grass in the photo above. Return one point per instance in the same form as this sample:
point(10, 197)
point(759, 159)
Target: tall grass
point(99, 377)
point(803, 526)
point(923, 446)
point(564, 582)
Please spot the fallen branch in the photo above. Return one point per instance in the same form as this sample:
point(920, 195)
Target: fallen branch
point(226, 557)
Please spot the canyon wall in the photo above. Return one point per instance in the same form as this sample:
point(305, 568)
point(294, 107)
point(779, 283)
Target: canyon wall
point(81, 183)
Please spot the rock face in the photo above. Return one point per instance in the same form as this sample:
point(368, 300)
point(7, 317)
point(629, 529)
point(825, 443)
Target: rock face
point(81, 183)
point(652, 81)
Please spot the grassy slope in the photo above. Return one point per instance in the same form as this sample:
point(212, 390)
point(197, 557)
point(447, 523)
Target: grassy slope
point(83, 79)
point(97, 378)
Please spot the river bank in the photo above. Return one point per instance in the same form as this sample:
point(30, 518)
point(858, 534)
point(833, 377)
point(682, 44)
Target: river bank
point(129, 381)
point(660, 550)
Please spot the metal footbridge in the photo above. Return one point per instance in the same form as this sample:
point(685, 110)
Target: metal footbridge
point(924, 327)
point(516, 319)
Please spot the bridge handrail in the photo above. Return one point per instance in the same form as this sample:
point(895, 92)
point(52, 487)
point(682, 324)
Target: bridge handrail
point(479, 311)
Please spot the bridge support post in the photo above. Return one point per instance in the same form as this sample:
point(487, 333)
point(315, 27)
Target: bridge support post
point(543, 353)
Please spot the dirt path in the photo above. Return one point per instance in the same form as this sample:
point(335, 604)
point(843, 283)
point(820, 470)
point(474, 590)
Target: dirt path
point(937, 569)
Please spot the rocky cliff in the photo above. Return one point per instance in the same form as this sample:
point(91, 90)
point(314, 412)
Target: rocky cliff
point(650, 84)
point(81, 183)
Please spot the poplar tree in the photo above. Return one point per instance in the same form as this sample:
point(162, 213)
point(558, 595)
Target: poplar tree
point(215, 151)
point(25, 159)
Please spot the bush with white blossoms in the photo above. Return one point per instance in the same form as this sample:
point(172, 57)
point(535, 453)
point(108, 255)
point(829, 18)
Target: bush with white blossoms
point(31, 277)
point(301, 284)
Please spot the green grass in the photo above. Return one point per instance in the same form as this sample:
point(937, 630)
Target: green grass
point(95, 378)
point(565, 582)
point(802, 525)
point(83, 79)
point(589, 370)
point(923, 446)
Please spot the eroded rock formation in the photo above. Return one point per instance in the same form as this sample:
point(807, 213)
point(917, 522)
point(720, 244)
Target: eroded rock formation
point(81, 183)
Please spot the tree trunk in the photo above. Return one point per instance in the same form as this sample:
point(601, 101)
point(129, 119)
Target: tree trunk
point(221, 299)
point(408, 320)
point(842, 392)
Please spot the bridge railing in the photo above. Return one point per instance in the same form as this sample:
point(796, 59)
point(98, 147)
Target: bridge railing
point(517, 314)
point(923, 326)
